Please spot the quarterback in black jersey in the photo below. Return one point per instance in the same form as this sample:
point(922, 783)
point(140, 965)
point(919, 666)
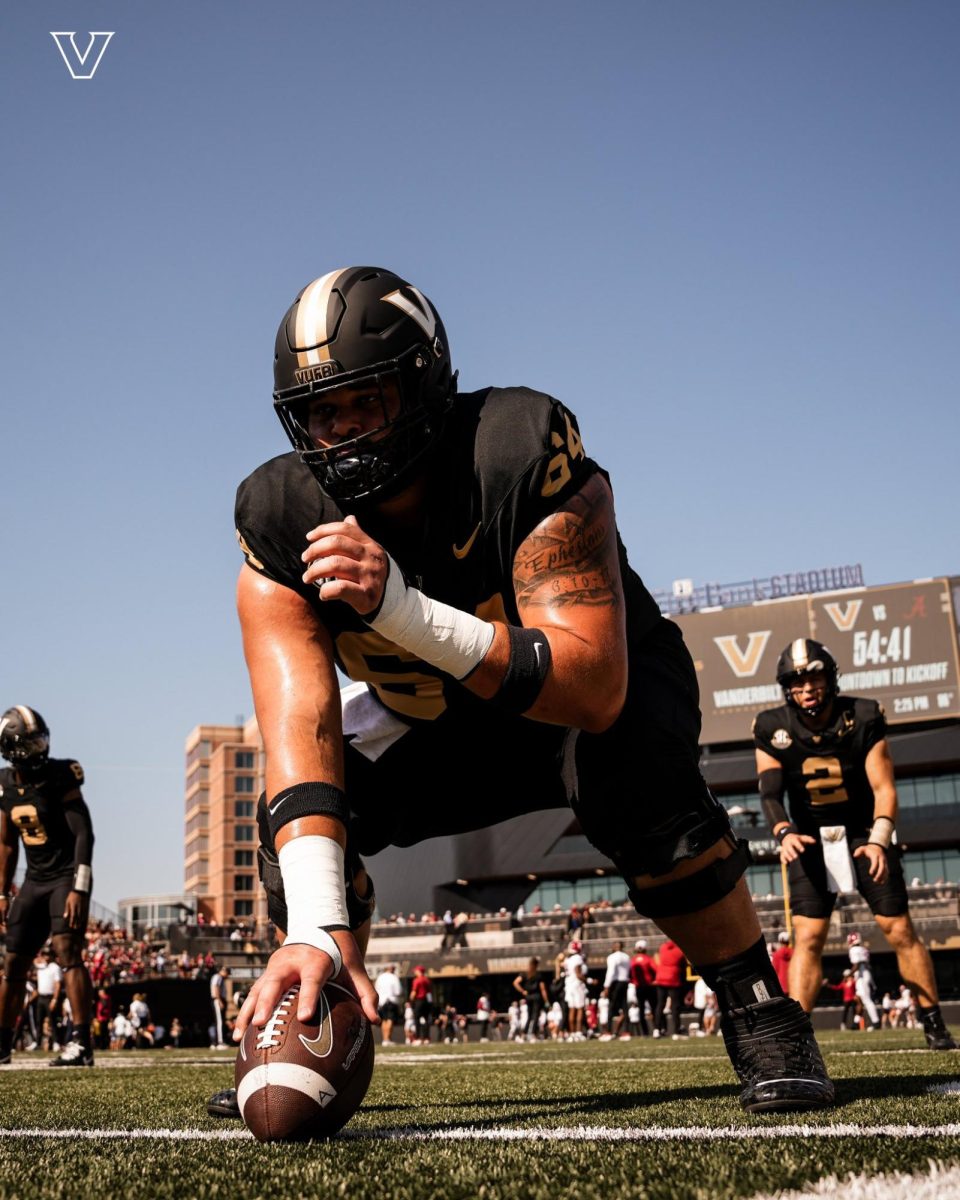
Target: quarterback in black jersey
point(829, 754)
point(460, 562)
point(42, 806)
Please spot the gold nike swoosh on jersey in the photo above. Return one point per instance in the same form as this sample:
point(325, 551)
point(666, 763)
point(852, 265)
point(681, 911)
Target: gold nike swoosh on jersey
point(464, 550)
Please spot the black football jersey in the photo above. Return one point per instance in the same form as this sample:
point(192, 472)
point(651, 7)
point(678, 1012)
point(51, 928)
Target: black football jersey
point(508, 457)
point(825, 771)
point(37, 812)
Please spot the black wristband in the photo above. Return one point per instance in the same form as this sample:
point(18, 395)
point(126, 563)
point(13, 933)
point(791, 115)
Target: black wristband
point(529, 663)
point(307, 800)
point(782, 833)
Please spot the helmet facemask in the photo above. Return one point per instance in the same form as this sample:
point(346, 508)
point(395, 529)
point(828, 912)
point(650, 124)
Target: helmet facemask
point(830, 689)
point(381, 461)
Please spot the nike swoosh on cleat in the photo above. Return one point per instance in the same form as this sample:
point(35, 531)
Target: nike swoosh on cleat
point(464, 550)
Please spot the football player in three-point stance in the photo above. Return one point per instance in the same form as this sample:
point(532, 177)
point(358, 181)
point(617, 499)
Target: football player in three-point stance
point(830, 755)
point(458, 557)
point(41, 804)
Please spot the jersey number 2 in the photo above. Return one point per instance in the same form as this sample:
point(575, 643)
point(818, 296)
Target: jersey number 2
point(824, 781)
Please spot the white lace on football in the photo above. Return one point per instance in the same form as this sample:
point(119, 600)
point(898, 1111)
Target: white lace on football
point(269, 1037)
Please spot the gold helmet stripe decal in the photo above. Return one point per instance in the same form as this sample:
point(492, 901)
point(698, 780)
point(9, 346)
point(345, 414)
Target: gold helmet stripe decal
point(798, 652)
point(29, 718)
point(312, 319)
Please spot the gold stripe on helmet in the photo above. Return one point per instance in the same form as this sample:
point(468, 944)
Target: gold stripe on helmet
point(311, 326)
point(29, 717)
point(798, 652)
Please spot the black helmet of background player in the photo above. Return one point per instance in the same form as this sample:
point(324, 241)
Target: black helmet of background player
point(365, 327)
point(24, 739)
point(803, 657)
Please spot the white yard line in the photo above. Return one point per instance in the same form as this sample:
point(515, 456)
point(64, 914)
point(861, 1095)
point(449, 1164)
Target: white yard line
point(940, 1183)
point(576, 1133)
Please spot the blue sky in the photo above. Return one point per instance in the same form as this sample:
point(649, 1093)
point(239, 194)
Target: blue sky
point(724, 233)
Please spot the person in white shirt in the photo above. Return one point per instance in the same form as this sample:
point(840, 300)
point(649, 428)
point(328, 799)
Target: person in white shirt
point(389, 991)
point(575, 990)
point(218, 1000)
point(860, 961)
point(615, 986)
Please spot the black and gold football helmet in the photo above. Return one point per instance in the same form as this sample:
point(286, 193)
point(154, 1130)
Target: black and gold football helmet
point(364, 327)
point(802, 657)
point(24, 738)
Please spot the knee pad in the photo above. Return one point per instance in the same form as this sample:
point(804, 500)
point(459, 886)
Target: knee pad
point(694, 892)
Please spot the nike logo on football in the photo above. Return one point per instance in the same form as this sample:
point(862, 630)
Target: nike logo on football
point(464, 550)
point(536, 650)
point(273, 811)
point(322, 1044)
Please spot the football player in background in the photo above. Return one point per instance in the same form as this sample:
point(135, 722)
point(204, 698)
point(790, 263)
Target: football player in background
point(458, 556)
point(829, 754)
point(859, 956)
point(42, 805)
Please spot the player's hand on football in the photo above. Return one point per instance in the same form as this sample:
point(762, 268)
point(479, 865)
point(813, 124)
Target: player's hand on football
point(311, 968)
point(794, 844)
point(73, 910)
point(345, 564)
point(878, 861)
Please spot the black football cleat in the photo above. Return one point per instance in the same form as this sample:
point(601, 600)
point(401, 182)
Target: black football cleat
point(776, 1057)
point(937, 1034)
point(74, 1054)
point(224, 1104)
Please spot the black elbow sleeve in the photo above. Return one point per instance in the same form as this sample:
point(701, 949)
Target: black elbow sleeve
point(771, 797)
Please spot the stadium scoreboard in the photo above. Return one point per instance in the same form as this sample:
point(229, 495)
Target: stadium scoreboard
point(896, 644)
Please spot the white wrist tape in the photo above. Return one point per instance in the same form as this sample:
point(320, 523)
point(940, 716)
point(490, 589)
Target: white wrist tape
point(437, 633)
point(82, 878)
point(881, 833)
point(313, 887)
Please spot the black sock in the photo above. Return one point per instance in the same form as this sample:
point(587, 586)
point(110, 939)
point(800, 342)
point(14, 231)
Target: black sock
point(931, 1015)
point(747, 979)
point(81, 1034)
point(6, 1042)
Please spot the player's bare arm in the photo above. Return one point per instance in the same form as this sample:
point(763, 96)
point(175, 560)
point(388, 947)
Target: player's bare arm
point(566, 577)
point(879, 769)
point(297, 702)
point(792, 843)
point(567, 583)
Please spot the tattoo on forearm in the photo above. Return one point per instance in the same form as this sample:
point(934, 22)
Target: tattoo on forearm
point(571, 557)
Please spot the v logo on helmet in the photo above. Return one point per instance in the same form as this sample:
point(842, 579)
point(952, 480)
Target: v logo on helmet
point(421, 312)
point(844, 616)
point(743, 663)
point(82, 66)
point(322, 1044)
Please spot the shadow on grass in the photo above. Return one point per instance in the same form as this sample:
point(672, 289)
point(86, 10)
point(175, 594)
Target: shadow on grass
point(520, 1111)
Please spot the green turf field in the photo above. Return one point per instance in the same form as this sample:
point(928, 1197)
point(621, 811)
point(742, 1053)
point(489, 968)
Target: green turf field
point(640, 1118)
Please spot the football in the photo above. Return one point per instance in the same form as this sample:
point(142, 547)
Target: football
point(298, 1080)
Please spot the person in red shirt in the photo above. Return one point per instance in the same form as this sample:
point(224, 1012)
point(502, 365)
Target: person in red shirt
point(421, 997)
point(671, 985)
point(643, 971)
point(848, 987)
point(781, 960)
